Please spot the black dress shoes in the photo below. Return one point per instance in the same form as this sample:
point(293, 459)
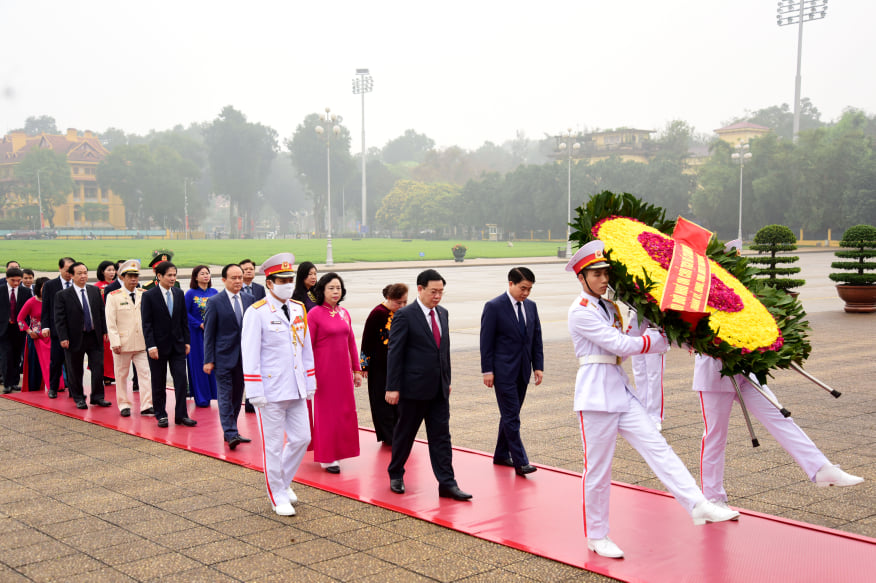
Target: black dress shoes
point(506, 462)
point(101, 402)
point(149, 411)
point(523, 470)
point(81, 404)
point(454, 492)
point(162, 422)
point(234, 442)
point(7, 390)
point(187, 421)
point(333, 469)
point(243, 439)
point(126, 412)
point(397, 485)
point(53, 394)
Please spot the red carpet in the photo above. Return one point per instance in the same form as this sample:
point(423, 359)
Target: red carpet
point(540, 514)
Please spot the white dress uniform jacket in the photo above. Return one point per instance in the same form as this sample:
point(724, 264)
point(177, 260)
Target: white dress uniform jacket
point(124, 326)
point(598, 386)
point(277, 356)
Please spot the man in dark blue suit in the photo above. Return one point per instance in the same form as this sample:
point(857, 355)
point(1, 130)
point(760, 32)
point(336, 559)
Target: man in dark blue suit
point(418, 381)
point(12, 297)
point(257, 291)
point(166, 330)
point(80, 322)
point(222, 325)
point(511, 350)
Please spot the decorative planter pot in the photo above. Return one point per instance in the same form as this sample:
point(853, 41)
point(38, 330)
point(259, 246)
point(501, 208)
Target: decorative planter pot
point(859, 299)
point(458, 257)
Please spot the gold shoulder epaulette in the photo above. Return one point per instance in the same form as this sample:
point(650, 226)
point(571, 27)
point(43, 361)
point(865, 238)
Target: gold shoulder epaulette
point(115, 291)
point(259, 303)
point(299, 303)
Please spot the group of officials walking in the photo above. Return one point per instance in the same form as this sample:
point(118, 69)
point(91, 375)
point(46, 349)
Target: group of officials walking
point(264, 348)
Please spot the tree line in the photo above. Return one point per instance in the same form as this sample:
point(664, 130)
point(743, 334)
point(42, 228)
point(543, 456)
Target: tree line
point(827, 179)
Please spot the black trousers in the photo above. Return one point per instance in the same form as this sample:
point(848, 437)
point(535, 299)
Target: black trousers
point(229, 395)
point(57, 358)
point(509, 397)
point(11, 350)
point(92, 346)
point(158, 368)
point(411, 414)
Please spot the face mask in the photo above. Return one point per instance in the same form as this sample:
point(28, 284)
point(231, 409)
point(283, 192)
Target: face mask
point(283, 291)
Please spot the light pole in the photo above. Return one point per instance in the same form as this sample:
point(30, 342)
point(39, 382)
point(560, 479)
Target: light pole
point(797, 12)
point(328, 128)
point(361, 85)
point(569, 145)
point(740, 156)
point(40, 199)
point(186, 204)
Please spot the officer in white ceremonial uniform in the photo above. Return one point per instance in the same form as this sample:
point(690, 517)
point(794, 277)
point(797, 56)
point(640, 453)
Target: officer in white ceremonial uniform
point(124, 330)
point(648, 374)
point(278, 374)
point(607, 406)
point(716, 399)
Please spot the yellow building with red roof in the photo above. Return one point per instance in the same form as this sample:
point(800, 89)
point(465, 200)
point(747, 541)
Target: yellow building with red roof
point(84, 153)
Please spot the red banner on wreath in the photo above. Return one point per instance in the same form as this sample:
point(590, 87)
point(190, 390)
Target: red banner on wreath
point(688, 278)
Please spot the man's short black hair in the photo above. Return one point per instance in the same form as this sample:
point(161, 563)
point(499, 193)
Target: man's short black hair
point(13, 272)
point(518, 274)
point(27, 271)
point(72, 269)
point(64, 260)
point(229, 266)
point(429, 275)
point(161, 268)
point(10, 262)
point(242, 261)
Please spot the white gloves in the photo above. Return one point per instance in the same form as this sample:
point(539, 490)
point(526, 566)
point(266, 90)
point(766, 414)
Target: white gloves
point(659, 343)
point(258, 401)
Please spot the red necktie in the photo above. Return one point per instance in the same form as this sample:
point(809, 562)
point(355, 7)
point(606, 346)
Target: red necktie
point(435, 331)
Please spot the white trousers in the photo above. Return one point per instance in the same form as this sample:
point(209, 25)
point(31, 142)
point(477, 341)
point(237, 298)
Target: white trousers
point(285, 431)
point(648, 373)
point(599, 431)
point(716, 407)
point(122, 367)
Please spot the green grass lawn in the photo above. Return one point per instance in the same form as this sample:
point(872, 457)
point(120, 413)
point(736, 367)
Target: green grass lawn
point(43, 255)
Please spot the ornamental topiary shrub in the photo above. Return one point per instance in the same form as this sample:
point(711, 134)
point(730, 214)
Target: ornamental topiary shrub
point(768, 242)
point(861, 239)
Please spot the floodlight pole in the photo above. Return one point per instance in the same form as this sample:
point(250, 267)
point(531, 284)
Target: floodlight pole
point(362, 85)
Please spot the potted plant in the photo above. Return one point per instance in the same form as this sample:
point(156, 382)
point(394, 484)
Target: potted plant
point(459, 252)
point(768, 242)
point(857, 288)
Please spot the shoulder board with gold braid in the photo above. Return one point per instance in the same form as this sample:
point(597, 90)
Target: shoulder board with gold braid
point(303, 310)
point(259, 303)
point(115, 291)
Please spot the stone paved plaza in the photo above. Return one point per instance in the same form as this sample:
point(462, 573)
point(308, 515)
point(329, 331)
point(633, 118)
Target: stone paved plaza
point(80, 502)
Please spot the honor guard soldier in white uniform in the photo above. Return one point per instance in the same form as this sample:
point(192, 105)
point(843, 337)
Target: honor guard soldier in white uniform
point(607, 406)
point(278, 374)
point(124, 329)
point(716, 399)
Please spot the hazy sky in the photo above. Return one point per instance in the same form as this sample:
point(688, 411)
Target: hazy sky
point(460, 72)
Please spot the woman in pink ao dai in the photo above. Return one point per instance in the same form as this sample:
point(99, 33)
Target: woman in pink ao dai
point(335, 425)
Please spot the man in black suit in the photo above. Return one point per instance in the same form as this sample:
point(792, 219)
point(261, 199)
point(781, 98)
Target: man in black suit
point(57, 357)
point(166, 330)
point(81, 326)
point(12, 297)
point(222, 325)
point(257, 291)
point(418, 381)
point(511, 351)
